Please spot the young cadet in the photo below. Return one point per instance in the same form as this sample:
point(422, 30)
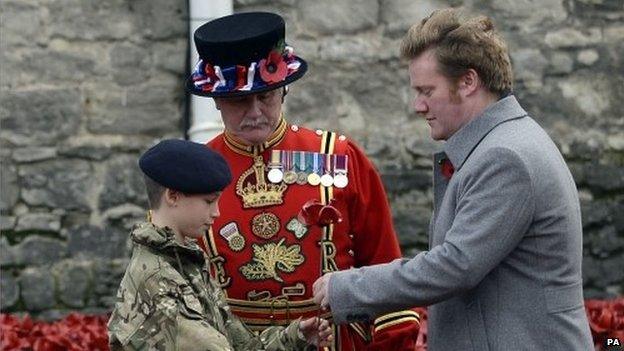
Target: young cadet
point(167, 300)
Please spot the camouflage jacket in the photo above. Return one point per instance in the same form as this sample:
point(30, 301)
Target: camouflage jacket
point(167, 301)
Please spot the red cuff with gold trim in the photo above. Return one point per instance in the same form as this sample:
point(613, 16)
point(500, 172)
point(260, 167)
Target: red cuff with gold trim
point(396, 331)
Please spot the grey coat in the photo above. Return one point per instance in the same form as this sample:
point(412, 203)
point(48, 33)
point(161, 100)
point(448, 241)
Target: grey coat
point(504, 267)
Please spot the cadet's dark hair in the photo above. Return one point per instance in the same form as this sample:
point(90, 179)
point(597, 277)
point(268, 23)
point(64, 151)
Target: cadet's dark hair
point(154, 191)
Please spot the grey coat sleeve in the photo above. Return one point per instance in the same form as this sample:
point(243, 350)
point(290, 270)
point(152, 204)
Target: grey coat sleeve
point(495, 205)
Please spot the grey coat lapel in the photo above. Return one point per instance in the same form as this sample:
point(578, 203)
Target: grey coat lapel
point(461, 144)
point(439, 188)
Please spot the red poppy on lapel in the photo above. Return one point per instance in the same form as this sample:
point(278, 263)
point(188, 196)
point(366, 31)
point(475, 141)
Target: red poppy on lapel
point(447, 169)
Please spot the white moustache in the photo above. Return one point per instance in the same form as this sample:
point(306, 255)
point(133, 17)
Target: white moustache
point(252, 123)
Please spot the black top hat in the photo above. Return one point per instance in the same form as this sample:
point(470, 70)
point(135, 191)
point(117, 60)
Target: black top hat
point(242, 54)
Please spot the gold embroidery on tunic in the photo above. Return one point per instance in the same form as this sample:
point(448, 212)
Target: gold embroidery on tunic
point(260, 193)
point(271, 258)
point(218, 265)
point(297, 228)
point(265, 225)
point(328, 249)
point(295, 290)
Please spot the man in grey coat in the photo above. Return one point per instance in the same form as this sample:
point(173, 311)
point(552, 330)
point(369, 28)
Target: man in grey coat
point(504, 267)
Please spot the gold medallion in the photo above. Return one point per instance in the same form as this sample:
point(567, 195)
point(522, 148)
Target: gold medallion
point(302, 178)
point(237, 243)
point(314, 179)
point(290, 177)
point(232, 235)
point(265, 225)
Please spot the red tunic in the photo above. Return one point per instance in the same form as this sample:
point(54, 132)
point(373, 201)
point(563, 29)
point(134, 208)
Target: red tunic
point(267, 261)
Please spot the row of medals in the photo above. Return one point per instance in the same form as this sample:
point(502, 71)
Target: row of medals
point(303, 167)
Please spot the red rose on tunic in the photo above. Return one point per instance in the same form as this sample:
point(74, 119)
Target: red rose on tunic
point(273, 69)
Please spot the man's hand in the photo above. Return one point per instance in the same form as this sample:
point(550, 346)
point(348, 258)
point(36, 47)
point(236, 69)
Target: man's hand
point(321, 291)
point(316, 331)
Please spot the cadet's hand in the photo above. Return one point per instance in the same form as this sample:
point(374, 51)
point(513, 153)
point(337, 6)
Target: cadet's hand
point(321, 291)
point(316, 331)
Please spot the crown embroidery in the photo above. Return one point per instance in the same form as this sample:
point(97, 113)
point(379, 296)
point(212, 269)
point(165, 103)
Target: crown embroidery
point(260, 193)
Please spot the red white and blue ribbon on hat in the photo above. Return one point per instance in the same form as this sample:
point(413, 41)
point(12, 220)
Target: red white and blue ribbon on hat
point(275, 68)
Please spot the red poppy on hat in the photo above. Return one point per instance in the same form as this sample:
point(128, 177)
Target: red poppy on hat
point(273, 69)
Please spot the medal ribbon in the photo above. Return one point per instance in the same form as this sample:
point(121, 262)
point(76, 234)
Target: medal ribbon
point(328, 166)
point(340, 164)
point(309, 162)
point(275, 161)
point(301, 161)
point(287, 160)
point(316, 163)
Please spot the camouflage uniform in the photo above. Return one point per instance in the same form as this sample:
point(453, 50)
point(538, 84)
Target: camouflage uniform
point(166, 301)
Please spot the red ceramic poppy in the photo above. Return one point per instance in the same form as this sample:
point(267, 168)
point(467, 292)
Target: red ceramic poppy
point(329, 215)
point(447, 169)
point(606, 319)
point(73, 333)
point(309, 212)
point(273, 69)
point(314, 212)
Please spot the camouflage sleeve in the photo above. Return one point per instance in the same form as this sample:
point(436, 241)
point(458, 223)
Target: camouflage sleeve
point(164, 315)
point(271, 339)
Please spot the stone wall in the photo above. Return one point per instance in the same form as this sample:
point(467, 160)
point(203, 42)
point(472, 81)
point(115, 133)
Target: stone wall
point(87, 85)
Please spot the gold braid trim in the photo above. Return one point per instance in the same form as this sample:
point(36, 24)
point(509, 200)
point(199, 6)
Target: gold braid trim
point(362, 331)
point(239, 147)
point(395, 318)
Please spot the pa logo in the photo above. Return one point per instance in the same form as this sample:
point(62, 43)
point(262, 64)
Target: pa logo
point(613, 342)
